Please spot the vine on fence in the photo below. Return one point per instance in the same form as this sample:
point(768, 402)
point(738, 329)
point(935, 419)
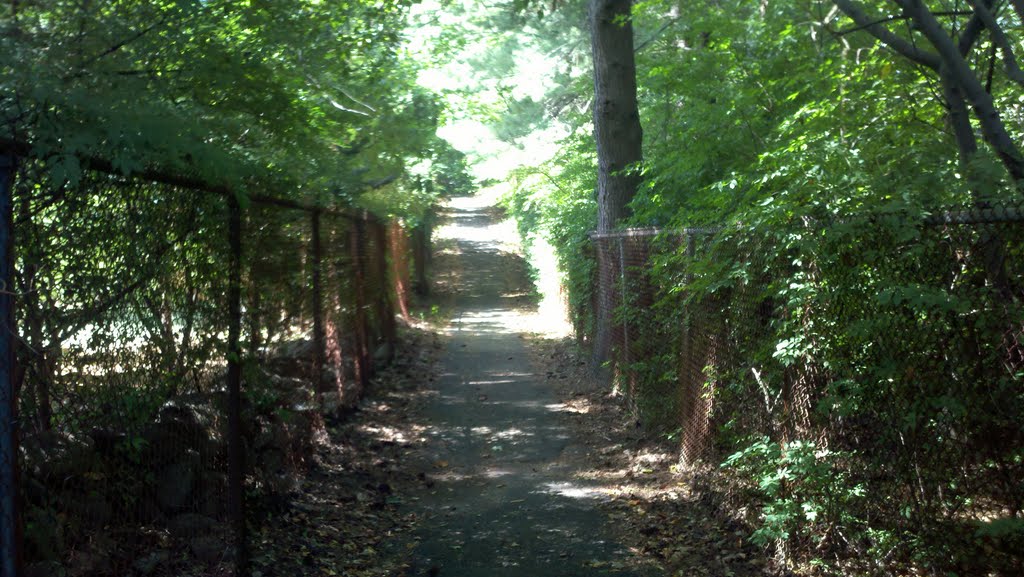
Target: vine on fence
point(859, 380)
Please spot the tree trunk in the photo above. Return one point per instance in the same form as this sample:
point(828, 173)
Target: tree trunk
point(618, 136)
point(963, 93)
point(617, 129)
point(950, 61)
point(993, 248)
point(959, 118)
point(993, 128)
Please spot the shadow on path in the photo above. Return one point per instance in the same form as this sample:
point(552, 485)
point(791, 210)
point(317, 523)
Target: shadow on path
point(502, 496)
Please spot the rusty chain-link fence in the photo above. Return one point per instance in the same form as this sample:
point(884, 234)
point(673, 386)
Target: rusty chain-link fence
point(865, 377)
point(174, 379)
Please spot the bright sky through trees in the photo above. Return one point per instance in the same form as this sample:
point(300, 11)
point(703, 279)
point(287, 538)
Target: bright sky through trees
point(477, 96)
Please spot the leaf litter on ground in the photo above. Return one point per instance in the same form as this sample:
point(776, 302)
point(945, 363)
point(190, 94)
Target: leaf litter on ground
point(346, 518)
point(664, 512)
point(346, 513)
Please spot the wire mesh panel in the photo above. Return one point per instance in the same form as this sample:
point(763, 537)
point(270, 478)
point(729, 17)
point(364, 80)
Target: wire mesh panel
point(661, 351)
point(872, 356)
point(607, 338)
point(381, 288)
point(127, 408)
point(398, 257)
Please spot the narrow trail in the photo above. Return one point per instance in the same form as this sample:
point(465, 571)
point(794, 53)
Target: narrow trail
point(501, 496)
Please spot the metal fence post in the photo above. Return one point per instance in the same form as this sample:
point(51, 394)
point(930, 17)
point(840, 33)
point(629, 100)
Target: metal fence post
point(689, 369)
point(236, 455)
point(357, 245)
point(10, 529)
point(384, 306)
point(623, 302)
point(319, 355)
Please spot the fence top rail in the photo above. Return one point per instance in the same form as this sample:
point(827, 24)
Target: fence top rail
point(651, 232)
point(970, 216)
point(157, 175)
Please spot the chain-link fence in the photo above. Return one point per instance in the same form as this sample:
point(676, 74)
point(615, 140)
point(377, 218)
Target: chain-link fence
point(174, 371)
point(863, 380)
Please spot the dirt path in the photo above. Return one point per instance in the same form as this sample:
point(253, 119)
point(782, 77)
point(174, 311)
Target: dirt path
point(500, 493)
point(488, 451)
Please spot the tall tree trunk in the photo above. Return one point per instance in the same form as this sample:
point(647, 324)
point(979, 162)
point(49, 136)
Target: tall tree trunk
point(617, 129)
point(618, 136)
point(992, 247)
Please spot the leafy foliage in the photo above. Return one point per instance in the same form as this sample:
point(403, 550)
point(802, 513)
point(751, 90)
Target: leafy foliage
point(134, 123)
point(222, 94)
point(859, 364)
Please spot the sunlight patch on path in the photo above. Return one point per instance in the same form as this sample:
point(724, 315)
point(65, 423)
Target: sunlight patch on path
point(575, 491)
point(501, 235)
point(549, 319)
point(503, 492)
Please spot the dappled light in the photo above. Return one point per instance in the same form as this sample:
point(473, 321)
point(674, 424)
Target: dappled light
point(411, 434)
point(511, 288)
point(575, 491)
point(501, 463)
point(574, 406)
point(470, 223)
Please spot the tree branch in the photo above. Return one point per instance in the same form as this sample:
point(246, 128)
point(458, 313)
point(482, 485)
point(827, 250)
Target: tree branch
point(381, 182)
point(657, 33)
point(887, 37)
point(860, 27)
point(348, 95)
point(125, 42)
point(78, 320)
point(900, 17)
point(356, 100)
point(992, 125)
point(971, 32)
point(137, 35)
point(147, 72)
point(344, 108)
point(999, 38)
